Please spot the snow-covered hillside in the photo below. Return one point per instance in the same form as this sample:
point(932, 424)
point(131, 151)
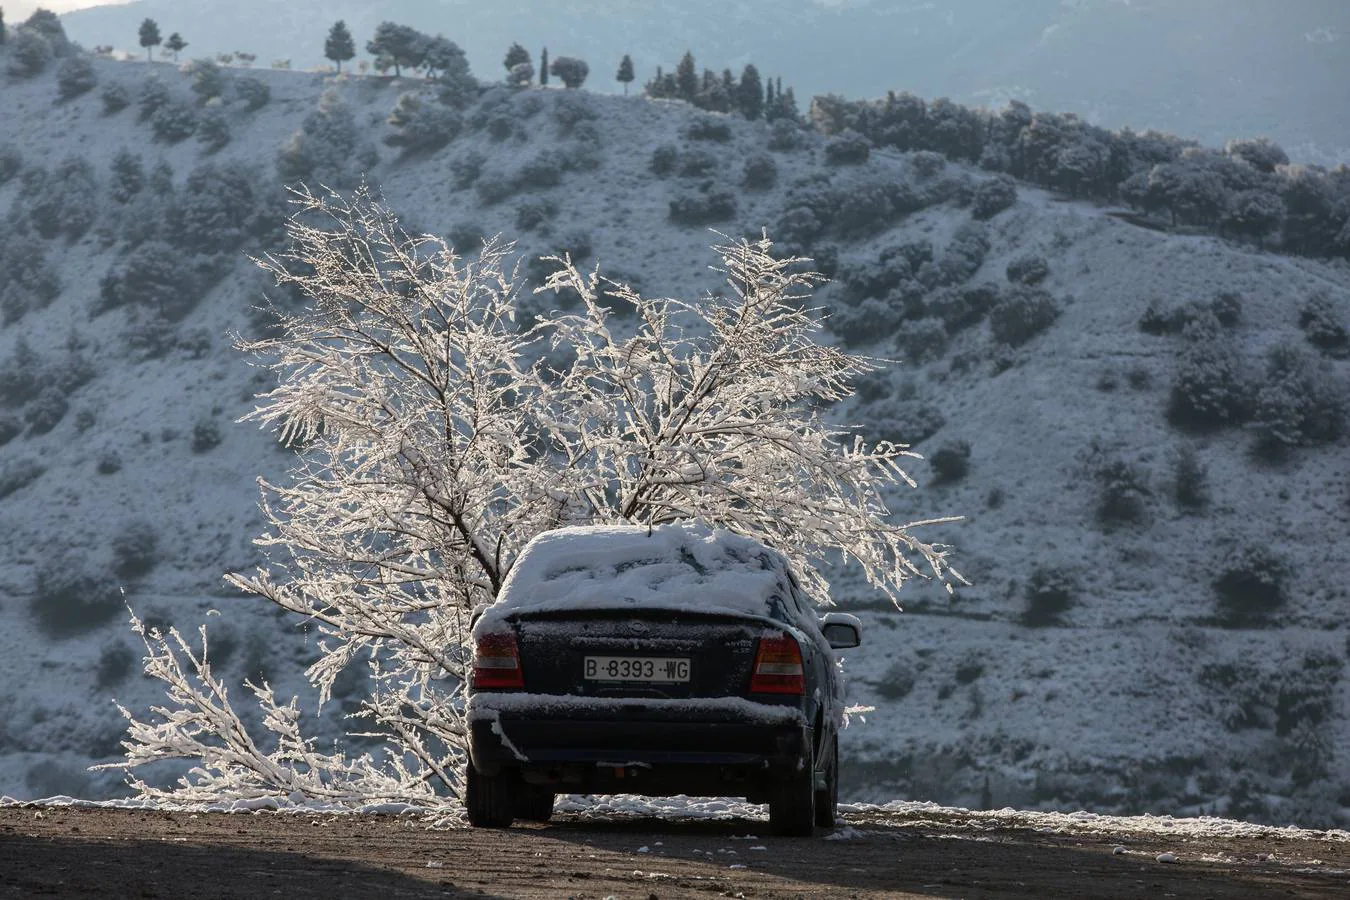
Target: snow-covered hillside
point(1209, 69)
point(1133, 698)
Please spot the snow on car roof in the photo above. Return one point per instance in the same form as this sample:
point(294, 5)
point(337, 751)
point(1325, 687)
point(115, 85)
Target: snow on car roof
point(681, 566)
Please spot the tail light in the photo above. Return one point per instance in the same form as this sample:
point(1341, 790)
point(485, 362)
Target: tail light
point(778, 666)
point(496, 662)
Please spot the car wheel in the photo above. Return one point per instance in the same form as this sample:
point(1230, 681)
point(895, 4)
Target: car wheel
point(534, 803)
point(792, 803)
point(489, 799)
point(827, 798)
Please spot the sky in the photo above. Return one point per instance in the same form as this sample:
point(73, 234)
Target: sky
point(18, 10)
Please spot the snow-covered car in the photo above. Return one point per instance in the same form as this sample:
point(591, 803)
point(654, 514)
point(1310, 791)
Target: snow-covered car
point(678, 659)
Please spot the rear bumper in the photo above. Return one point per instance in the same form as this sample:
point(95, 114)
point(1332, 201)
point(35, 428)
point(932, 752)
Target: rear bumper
point(723, 750)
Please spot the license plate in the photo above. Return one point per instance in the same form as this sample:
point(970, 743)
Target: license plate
point(637, 668)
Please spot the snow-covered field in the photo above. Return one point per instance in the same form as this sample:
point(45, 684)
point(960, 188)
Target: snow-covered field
point(1138, 702)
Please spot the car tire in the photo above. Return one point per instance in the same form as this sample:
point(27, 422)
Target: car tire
point(827, 798)
point(792, 803)
point(534, 803)
point(489, 799)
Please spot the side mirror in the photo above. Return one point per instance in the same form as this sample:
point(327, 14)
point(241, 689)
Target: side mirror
point(841, 630)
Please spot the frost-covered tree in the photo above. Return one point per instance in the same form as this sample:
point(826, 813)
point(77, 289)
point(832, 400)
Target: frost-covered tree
point(339, 46)
point(206, 79)
point(325, 149)
point(625, 74)
point(29, 54)
point(686, 78)
point(149, 36)
point(421, 124)
point(175, 45)
point(750, 93)
point(75, 76)
point(437, 437)
point(128, 175)
point(570, 70)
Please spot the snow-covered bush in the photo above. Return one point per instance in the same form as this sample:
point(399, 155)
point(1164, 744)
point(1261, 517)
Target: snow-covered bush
point(16, 474)
point(898, 681)
point(1122, 492)
point(993, 196)
point(964, 255)
point(127, 175)
point(902, 419)
point(927, 164)
point(848, 149)
point(30, 280)
point(71, 595)
point(532, 213)
point(217, 209)
point(253, 91)
point(1022, 314)
point(29, 54)
point(466, 169)
point(109, 462)
point(61, 202)
point(570, 109)
point(664, 159)
point(327, 148)
point(1298, 404)
point(865, 208)
point(1320, 322)
point(963, 307)
point(1227, 308)
point(74, 77)
point(153, 276)
point(1030, 268)
point(1050, 593)
point(703, 207)
point(10, 428)
point(950, 462)
point(785, 135)
point(1190, 486)
point(709, 128)
point(115, 661)
point(760, 173)
point(1209, 386)
point(370, 529)
point(205, 435)
point(921, 340)
point(174, 122)
point(11, 162)
point(115, 97)
point(422, 125)
point(584, 151)
point(872, 320)
point(539, 173)
point(46, 410)
point(1250, 584)
point(153, 95)
point(205, 78)
point(213, 130)
point(135, 548)
point(697, 162)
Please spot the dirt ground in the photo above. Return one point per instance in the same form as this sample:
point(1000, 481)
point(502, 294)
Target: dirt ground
point(120, 853)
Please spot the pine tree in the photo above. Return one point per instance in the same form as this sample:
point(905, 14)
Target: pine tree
point(515, 56)
point(339, 47)
point(2, 28)
point(543, 67)
point(149, 35)
point(768, 95)
point(175, 45)
point(625, 75)
point(686, 78)
point(750, 93)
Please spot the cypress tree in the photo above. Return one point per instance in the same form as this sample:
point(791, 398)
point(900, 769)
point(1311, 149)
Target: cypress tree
point(339, 47)
point(543, 67)
point(625, 74)
point(2, 27)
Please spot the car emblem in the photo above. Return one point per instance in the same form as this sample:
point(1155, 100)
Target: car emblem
point(638, 627)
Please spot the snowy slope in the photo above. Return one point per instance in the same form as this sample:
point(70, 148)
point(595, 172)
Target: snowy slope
point(1211, 69)
point(1117, 711)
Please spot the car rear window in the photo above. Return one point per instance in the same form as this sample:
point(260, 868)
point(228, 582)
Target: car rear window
point(683, 566)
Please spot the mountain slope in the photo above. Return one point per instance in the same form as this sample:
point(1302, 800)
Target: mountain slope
point(1137, 698)
point(1204, 68)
